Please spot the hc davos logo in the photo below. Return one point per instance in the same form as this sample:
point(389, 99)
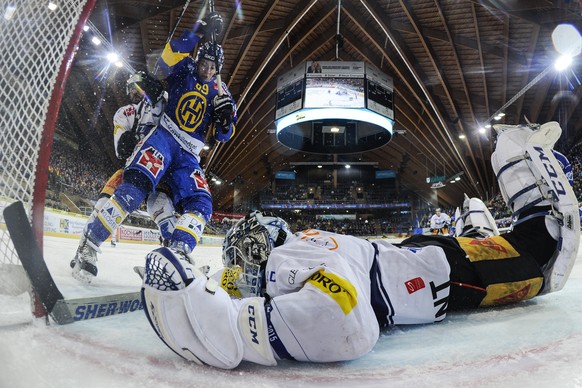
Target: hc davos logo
point(190, 111)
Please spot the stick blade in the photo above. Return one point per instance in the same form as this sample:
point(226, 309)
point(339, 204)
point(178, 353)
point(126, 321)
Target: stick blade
point(32, 259)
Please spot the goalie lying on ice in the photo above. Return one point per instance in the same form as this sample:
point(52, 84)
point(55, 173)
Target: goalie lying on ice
point(318, 296)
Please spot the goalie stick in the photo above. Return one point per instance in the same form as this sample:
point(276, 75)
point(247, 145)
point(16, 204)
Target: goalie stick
point(61, 310)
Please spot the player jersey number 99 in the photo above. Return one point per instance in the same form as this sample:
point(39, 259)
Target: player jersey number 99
point(190, 110)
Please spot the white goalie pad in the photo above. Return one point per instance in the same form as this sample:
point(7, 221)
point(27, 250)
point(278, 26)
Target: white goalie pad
point(196, 324)
point(476, 219)
point(564, 205)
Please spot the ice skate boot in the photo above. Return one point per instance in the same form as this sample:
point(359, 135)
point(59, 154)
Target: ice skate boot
point(529, 177)
point(83, 265)
point(476, 220)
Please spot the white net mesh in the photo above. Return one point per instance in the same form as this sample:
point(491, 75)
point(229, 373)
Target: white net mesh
point(34, 40)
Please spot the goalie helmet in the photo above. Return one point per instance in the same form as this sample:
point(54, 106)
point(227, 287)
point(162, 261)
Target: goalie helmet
point(207, 51)
point(145, 85)
point(247, 246)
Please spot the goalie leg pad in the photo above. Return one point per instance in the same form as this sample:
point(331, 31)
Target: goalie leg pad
point(564, 221)
point(529, 176)
point(517, 179)
point(476, 220)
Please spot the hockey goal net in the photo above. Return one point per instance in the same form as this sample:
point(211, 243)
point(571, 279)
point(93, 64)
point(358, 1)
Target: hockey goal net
point(37, 46)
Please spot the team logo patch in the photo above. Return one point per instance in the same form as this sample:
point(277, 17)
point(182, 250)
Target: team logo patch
point(151, 160)
point(190, 111)
point(200, 182)
point(414, 285)
point(129, 111)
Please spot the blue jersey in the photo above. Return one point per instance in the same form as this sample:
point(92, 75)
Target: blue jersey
point(190, 99)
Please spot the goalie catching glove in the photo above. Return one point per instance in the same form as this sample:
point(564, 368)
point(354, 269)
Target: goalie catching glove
point(197, 319)
point(223, 109)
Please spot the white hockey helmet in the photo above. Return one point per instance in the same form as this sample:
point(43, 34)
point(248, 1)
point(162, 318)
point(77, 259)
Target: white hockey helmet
point(248, 244)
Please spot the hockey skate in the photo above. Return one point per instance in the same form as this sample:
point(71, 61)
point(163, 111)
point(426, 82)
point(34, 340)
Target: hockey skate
point(83, 265)
point(529, 176)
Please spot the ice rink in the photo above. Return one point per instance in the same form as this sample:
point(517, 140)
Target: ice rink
point(535, 344)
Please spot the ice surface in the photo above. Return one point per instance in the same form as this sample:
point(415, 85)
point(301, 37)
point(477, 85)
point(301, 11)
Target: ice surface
point(535, 344)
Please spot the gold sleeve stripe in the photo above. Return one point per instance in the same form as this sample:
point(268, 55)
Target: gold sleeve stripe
point(512, 292)
point(339, 289)
point(170, 57)
point(492, 248)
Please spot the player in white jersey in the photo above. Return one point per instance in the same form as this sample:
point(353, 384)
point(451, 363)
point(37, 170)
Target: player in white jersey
point(439, 222)
point(321, 297)
point(131, 124)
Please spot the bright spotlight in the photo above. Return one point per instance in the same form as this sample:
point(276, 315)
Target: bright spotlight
point(563, 62)
point(96, 41)
point(482, 130)
point(52, 6)
point(112, 57)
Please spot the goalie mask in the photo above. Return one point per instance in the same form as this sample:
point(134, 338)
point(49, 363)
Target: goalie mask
point(247, 246)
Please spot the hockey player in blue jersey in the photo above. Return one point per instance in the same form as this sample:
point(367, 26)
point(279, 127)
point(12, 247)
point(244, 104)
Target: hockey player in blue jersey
point(198, 108)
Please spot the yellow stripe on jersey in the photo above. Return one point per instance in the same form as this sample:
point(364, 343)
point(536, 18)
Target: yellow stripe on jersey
point(511, 292)
point(338, 288)
point(492, 248)
point(170, 57)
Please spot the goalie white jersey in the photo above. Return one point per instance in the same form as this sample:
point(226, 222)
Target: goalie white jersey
point(324, 286)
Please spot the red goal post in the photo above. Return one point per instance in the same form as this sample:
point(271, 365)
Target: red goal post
point(37, 47)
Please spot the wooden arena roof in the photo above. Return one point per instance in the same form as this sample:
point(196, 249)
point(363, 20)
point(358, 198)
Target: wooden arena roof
point(454, 64)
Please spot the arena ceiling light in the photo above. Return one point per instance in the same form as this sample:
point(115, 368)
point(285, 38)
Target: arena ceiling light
point(567, 42)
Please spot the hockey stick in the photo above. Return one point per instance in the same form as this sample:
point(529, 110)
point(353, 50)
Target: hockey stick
point(156, 67)
point(216, 62)
point(62, 310)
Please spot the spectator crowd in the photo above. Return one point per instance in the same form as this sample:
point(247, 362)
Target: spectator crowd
point(81, 174)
